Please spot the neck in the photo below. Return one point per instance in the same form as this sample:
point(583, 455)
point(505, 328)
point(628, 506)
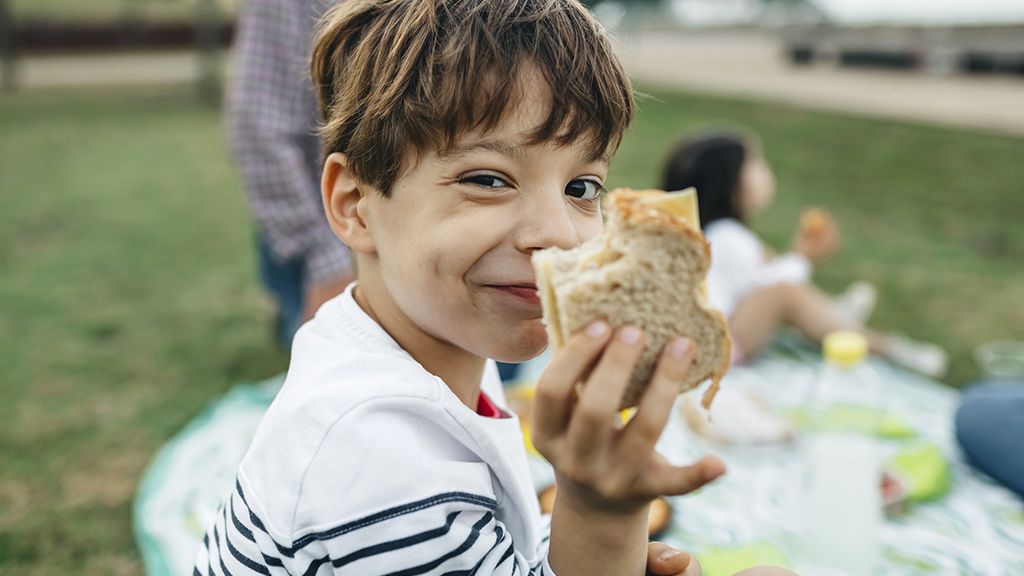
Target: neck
point(460, 370)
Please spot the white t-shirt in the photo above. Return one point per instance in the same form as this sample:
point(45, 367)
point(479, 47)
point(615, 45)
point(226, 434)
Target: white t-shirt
point(739, 264)
point(367, 464)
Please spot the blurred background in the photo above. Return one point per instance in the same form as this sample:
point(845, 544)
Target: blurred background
point(129, 296)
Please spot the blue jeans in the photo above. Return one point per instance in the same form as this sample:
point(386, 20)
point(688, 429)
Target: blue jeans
point(508, 372)
point(990, 429)
point(285, 281)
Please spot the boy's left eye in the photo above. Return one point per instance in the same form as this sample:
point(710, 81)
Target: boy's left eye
point(584, 189)
point(486, 181)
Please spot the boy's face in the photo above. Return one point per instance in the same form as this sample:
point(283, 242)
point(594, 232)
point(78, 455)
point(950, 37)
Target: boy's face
point(452, 245)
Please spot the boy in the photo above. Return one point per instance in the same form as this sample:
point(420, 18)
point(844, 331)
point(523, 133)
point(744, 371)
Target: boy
point(460, 136)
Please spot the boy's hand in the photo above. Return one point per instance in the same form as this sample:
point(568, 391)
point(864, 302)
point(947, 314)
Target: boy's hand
point(604, 468)
point(663, 560)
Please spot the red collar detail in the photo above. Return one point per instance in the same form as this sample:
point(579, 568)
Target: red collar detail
point(486, 408)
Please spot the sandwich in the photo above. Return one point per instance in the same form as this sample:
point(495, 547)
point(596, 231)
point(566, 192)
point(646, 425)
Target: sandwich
point(647, 270)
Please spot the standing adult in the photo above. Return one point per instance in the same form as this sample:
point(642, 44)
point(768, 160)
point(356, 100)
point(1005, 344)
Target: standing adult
point(272, 128)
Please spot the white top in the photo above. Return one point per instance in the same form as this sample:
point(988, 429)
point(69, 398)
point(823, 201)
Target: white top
point(367, 464)
point(739, 264)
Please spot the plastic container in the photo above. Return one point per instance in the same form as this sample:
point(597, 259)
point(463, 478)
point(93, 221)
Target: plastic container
point(1001, 358)
point(843, 505)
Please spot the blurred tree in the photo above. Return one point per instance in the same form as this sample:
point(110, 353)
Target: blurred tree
point(6, 48)
point(207, 22)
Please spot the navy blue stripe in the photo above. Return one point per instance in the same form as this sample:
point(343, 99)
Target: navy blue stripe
point(315, 565)
point(259, 523)
point(474, 534)
point(242, 558)
point(397, 544)
point(395, 512)
point(244, 531)
point(245, 560)
point(388, 514)
point(220, 556)
point(508, 552)
point(476, 567)
point(238, 523)
point(370, 520)
point(196, 572)
point(206, 544)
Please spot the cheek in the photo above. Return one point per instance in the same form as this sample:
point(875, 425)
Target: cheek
point(588, 226)
point(755, 189)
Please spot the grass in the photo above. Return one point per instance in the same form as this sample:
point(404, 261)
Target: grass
point(129, 300)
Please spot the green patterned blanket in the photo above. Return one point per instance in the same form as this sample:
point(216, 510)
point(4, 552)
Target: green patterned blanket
point(977, 528)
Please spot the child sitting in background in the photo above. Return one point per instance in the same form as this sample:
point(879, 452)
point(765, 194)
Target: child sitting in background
point(757, 290)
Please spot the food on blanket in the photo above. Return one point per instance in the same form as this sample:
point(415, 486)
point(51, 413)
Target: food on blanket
point(738, 417)
point(814, 222)
point(657, 519)
point(895, 501)
point(647, 270)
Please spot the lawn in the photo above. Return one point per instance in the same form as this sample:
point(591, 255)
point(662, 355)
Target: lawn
point(129, 299)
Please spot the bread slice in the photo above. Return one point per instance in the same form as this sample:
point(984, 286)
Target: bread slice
point(648, 270)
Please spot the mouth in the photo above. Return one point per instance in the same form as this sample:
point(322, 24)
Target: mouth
point(526, 292)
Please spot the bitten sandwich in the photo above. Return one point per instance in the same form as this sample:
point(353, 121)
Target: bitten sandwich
point(647, 270)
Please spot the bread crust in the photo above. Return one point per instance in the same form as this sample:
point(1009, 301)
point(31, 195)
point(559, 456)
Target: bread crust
point(628, 204)
point(633, 215)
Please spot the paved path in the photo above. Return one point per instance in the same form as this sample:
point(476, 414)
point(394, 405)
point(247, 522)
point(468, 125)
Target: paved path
point(134, 69)
point(752, 65)
point(747, 65)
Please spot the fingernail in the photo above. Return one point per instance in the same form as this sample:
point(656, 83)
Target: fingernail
point(670, 553)
point(679, 348)
point(629, 335)
point(597, 329)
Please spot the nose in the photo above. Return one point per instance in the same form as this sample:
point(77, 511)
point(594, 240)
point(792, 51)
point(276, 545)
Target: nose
point(547, 220)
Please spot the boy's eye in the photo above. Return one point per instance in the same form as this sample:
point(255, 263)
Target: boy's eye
point(486, 180)
point(584, 189)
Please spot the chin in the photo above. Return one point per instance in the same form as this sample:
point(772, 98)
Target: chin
point(520, 345)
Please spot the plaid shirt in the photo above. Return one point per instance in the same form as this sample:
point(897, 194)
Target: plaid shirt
point(271, 122)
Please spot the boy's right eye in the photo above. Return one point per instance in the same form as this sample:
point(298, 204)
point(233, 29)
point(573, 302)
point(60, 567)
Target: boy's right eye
point(485, 180)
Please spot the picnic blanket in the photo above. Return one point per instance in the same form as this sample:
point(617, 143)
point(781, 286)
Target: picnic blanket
point(977, 528)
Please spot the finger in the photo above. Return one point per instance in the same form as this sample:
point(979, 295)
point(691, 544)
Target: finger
point(664, 560)
point(655, 406)
point(665, 479)
point(597, 409)
point(555, 387)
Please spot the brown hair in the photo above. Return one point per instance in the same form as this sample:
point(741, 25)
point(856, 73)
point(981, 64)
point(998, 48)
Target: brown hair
point(400, 75)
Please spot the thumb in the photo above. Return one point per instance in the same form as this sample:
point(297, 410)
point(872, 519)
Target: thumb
point(664, 560)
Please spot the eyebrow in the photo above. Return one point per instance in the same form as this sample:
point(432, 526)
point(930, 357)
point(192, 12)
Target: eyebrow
point(502, 147)
point(497, 146)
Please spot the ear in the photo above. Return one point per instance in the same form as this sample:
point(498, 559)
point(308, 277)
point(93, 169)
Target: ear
point(343, 197)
